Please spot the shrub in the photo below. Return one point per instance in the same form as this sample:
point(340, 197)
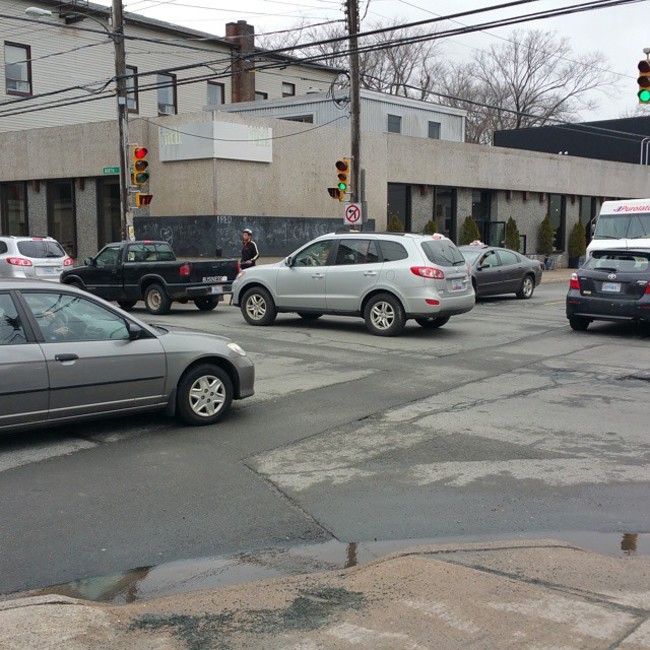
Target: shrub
point(512, 235)
point(577, 243)
point(545, 237)
point(394, 224)
point(469, 231)
point(430, 227)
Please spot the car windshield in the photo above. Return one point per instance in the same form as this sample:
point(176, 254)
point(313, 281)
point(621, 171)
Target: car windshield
point(623, 226)
point(471, 256)
point(443, 252)
point(40, 248)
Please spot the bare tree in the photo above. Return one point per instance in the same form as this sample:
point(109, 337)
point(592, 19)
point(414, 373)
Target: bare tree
point(386, 63)
point(532, 78)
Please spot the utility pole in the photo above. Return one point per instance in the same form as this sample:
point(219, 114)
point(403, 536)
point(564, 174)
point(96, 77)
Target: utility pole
point(126, 219)
point(355, 100)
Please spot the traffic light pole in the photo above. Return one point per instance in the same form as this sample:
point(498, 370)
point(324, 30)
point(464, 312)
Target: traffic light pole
point(122, 117)
point(355, 99)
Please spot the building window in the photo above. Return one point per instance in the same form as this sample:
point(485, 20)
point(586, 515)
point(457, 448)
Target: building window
point(109, 221)
point(557, 214)
point(216, 94)
point(259, 96)
point(394, 124)
point(288, 90)
point(444, 210)
point(132, 88)
point(13, 209)
point(61, 214)
point(18, 69)
point(307, 119)
point(481, 211)
point(434, 130)
point(167, 94)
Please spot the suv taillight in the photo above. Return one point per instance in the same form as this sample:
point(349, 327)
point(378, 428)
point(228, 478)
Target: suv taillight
point(19, 261)
point(430, 272)
point(574, 283)
point(185, 270)
point(68, 261)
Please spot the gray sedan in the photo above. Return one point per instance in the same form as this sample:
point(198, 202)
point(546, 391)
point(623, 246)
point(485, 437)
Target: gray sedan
point(67, 356)
point(499, 270)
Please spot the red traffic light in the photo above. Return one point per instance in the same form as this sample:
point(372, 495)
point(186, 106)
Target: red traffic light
point(140, 152)
point(142, 199)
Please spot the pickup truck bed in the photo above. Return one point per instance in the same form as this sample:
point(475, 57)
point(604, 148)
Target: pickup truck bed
point(148, 270)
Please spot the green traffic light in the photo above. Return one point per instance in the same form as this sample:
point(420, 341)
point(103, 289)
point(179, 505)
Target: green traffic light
point(644, 96)
point(343, 187)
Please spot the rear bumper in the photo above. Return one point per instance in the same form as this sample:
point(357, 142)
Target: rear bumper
point(597, 308)
point(200, 291)
point(449, 305)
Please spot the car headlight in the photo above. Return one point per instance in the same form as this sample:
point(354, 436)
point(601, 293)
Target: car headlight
point(237, 349)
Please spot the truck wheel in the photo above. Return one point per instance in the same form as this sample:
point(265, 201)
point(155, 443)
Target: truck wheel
point(156, 300)
point(206, 304)
point(432, 323)
point(204, 394)
point(257, 307)
point(127, 305)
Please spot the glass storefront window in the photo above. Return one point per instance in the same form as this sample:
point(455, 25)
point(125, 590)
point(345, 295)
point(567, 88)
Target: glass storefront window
point(444, 210)
point(13, 209)
point(109, 226)
point(557, 214)
point(61, 216)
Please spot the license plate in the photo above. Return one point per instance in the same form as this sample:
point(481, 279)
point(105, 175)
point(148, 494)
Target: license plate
point(216, 289)
point(456, 285)
point(215, 278)
point(612, 287)
point(48, 270)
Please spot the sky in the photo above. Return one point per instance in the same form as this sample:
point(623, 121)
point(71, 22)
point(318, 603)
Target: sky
point(619, 34)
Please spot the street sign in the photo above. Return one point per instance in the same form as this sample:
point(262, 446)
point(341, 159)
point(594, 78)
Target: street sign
point(111, 170)
point(352, 214)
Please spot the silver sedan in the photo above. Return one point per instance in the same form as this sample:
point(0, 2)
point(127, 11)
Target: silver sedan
point(68, 356)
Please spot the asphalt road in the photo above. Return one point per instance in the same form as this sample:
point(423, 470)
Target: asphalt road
point(503, 422)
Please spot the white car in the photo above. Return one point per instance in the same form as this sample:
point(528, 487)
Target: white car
point(384, 278)
point(36, 258)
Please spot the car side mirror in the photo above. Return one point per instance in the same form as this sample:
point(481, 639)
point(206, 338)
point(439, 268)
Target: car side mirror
point(135, 331)
point(288, 261)
point(593, 228)
point(89, 261)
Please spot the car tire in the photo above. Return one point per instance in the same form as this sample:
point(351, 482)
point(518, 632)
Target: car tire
point(156, 300)
point(257, 307)
point(384, 315)
point(433, 322)
point(579, 324)
point(127, 305)
point(204, 394)
point(309, 315)
point(206, 303)
point(527, 287)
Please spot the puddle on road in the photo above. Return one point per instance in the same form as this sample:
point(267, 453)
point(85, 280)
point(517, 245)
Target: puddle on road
point(209, 573)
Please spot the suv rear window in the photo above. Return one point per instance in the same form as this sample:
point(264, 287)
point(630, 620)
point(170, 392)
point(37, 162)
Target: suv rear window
point(40, 248)
point(443, 252)
point(620, 262)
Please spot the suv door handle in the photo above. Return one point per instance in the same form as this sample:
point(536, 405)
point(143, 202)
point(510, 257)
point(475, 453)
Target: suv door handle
point(318, 275)
point(369, 273)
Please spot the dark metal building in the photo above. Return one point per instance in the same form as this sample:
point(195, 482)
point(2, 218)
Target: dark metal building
point(626, 140)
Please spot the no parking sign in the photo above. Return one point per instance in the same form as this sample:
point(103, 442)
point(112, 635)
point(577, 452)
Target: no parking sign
point(352, 214)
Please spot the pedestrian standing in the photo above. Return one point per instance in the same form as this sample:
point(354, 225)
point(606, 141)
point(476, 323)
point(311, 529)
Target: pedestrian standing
point(249, 252)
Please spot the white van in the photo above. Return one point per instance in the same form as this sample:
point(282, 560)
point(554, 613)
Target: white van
point(622, 224)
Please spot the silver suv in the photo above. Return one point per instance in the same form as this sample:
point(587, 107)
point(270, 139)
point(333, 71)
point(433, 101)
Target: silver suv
point(384, 278)
point(32, 257)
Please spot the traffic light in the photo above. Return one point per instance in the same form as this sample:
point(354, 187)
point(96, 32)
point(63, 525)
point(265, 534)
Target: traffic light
point(142, 199)
point(343, 172)
point(644, 82)
point(334, 192)
point(140, 164)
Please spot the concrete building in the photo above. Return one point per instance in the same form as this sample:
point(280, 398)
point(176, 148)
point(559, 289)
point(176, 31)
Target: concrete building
point(214, 170)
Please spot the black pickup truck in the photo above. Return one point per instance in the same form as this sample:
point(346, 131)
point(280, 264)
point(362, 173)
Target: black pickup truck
point(148, 270)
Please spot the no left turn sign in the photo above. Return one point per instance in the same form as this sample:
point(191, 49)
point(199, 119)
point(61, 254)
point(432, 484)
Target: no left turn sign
point(352, 214)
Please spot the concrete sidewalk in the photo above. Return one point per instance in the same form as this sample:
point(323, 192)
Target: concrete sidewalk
point(535, 594)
